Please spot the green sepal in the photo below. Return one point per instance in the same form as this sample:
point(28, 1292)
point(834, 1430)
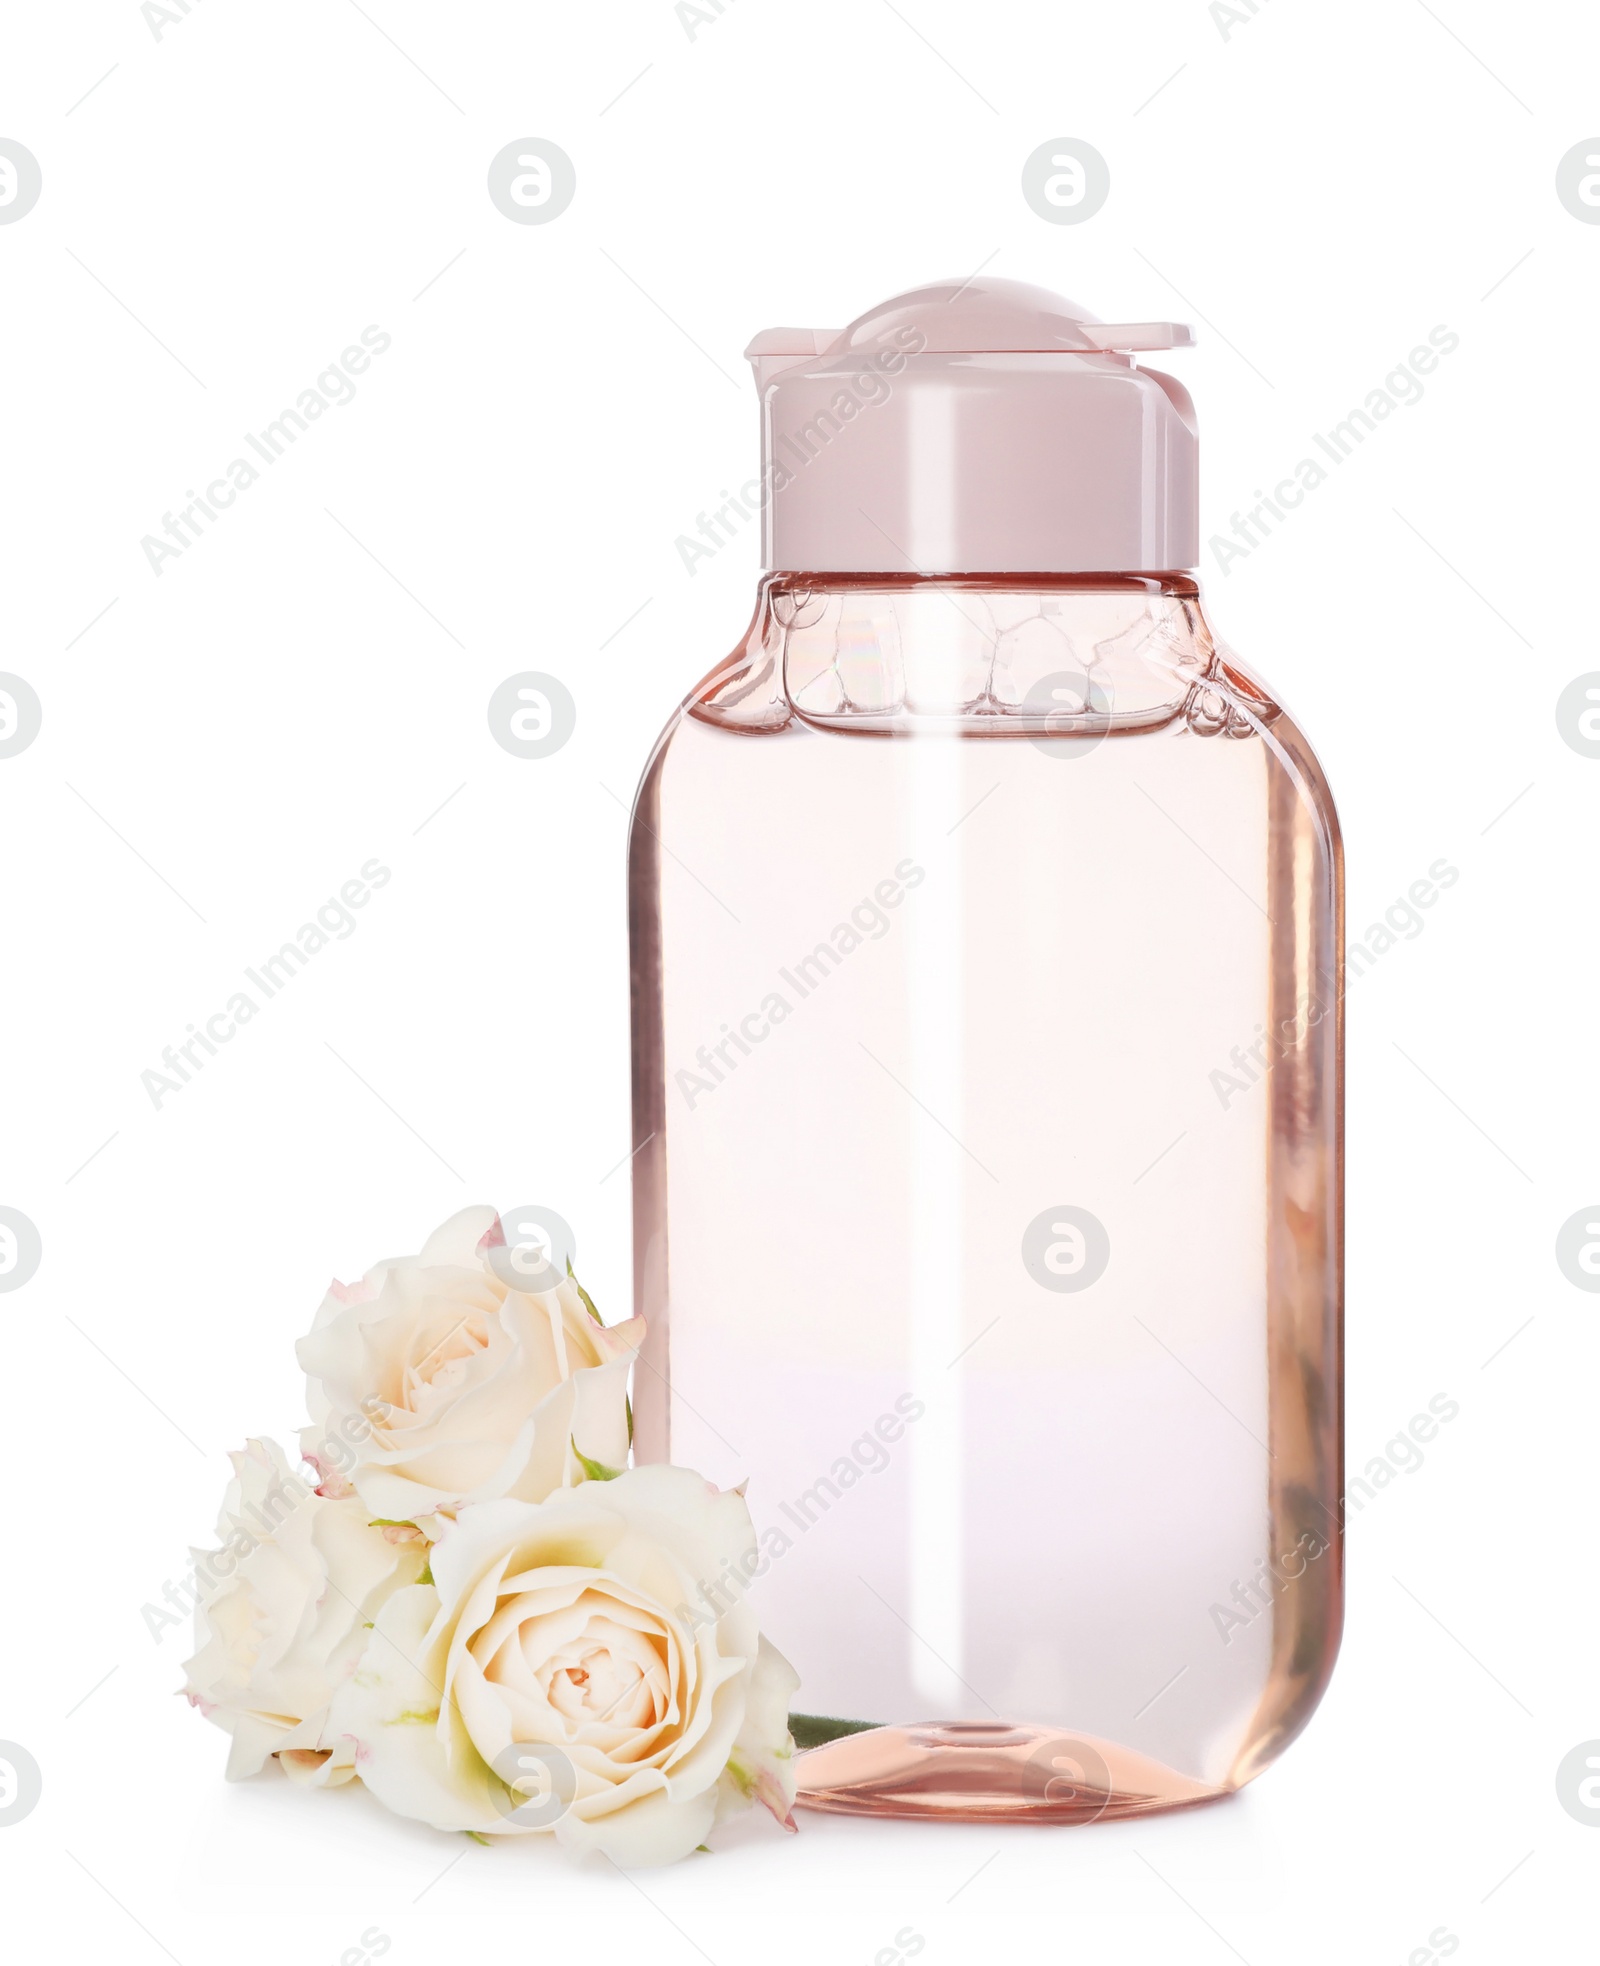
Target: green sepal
point(593, 1470)
point(588, 1301)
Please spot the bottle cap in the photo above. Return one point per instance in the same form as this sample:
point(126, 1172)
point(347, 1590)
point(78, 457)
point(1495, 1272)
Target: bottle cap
point(979, 426)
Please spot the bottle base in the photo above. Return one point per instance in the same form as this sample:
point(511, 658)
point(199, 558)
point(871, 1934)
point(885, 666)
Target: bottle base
point(989, 1771)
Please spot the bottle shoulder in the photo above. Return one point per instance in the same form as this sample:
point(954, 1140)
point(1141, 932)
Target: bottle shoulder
point(989, 658)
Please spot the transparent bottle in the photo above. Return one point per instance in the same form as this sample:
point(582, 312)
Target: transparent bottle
point(986, 938)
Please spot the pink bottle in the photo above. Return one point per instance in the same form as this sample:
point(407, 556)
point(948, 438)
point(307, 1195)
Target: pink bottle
point(986, 928)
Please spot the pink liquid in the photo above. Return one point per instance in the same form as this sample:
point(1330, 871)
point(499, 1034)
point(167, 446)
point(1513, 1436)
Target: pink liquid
point(906, 981)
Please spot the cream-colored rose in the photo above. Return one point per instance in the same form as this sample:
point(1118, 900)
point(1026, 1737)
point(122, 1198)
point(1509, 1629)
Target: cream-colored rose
point(284, 1613)
point(561, 1674)
point(434, 1384)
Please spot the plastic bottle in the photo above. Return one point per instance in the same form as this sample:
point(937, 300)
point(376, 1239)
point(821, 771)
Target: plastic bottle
point(986, 939)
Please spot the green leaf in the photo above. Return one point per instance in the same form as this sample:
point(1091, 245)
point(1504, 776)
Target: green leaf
point(813, 1730)
point(588, 1301)
point(593, 1470)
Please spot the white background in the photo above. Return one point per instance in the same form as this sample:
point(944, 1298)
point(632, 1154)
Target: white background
point(305, 687)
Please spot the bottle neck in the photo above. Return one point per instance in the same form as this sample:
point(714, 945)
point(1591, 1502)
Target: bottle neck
point(1024, 655)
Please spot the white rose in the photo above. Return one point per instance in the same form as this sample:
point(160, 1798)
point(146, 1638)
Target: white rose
point(434, 1384)
point(567, 1677)
point(284, 1614)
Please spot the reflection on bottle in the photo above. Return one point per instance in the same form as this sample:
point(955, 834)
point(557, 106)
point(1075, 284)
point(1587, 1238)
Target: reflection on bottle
point(935, 983)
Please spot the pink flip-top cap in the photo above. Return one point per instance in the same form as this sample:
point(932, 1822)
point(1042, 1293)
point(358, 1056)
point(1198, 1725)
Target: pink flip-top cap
point(980, 426)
